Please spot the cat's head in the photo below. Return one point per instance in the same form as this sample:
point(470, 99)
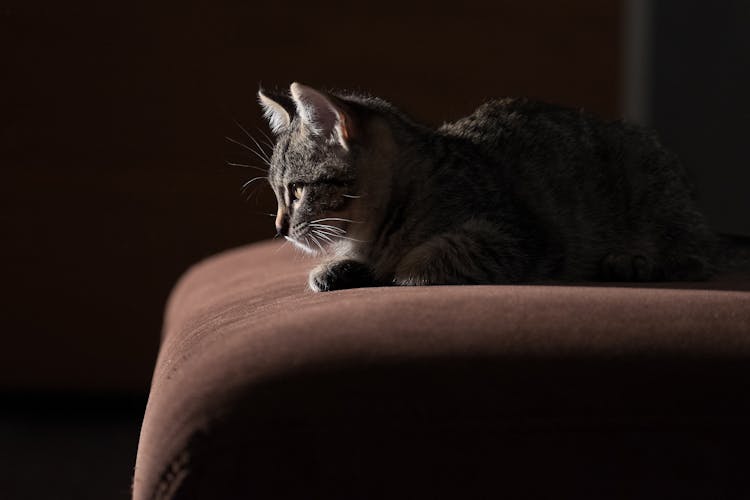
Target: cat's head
point(314, 166)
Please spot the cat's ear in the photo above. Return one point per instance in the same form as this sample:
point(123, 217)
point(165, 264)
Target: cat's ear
point(278, 110)
point(325, 115)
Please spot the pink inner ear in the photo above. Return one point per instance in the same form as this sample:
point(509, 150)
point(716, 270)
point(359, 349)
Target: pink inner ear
point(316, 109)
point(344, 127)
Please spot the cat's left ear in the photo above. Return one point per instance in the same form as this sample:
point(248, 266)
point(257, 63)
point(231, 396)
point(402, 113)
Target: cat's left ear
point(277, 109)
point(325, 115)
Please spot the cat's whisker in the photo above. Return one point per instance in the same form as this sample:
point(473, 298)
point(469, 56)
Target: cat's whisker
point(351, 196)
point(270, 141)
point(330, 233)
point(341, 236)
point(262, 151)
point(267, 144)
point(245, 165)
point(338, 219)
point(326, 226)
point(353, 239)
point(286, 242)
point(255, 212)
point(327, 233)
point(309, 248)
point(250, 196)
point(254, 190)
point(315, 240)
point(253, 139)
point(329, 227)
point(322, 235)
point(235, 141)
point(245, 185)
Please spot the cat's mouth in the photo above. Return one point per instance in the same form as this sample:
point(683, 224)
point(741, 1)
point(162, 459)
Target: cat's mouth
point(316, 236)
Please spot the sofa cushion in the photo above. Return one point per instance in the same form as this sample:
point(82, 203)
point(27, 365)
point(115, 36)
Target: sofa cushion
point(264, 389)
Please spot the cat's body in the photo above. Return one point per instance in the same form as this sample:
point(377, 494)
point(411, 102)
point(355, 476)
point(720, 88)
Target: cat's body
point(516, 191)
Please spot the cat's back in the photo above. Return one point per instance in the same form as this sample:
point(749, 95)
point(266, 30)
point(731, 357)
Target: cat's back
point(595, 187)
point(514, 123)
point(507, 110)
point(538, 145)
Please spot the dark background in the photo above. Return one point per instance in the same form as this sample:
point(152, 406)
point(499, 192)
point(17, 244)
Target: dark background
point(113, 147)
point(699, 100)
point(114, 178)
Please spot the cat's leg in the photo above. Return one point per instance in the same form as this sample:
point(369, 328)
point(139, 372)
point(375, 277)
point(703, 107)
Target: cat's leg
point(680, 262)
point(339, 275)
point(689, 249)
point(637, 267)
point(678, 251)
point(478, 252)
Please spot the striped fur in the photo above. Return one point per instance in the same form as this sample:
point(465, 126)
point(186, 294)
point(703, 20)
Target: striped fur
point(517, 191)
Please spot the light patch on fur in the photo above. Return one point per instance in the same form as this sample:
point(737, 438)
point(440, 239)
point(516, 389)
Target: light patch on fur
point(277, 116)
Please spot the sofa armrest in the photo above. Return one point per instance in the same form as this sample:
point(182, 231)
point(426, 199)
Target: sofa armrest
point(263, 389)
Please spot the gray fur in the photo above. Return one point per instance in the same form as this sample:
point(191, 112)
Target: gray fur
point(517, 191)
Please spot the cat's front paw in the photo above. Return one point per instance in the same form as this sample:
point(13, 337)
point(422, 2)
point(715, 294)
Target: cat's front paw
point(339, 275)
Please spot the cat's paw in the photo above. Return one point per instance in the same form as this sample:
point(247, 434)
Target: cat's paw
point(339, 275)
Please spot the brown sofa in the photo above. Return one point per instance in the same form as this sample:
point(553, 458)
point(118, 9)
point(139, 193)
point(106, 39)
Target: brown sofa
point(263, 389)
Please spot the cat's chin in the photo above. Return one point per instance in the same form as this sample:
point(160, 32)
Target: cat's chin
point(305, 248)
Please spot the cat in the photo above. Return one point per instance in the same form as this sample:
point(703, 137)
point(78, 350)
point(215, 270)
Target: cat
point(518, 191)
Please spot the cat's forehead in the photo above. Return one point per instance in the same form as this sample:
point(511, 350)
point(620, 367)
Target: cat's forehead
point(296, 154)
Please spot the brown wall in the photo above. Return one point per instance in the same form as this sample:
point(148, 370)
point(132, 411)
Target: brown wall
point(112, 149)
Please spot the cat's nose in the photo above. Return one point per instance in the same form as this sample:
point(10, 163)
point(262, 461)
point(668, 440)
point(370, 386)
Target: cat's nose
point(282, 224)
point(282, 229)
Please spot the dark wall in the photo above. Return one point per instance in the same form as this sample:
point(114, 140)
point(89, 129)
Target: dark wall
point(112, 148)
point(699, 102)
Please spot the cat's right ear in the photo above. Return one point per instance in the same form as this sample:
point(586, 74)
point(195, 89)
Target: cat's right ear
point(278, 110)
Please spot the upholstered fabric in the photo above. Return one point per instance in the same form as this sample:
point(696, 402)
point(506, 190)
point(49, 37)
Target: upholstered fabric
point(263, 389)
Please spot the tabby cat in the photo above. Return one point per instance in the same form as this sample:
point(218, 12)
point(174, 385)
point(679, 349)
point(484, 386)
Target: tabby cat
point(517, 191)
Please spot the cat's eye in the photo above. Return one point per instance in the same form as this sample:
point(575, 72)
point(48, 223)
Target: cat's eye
point(296, 190)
